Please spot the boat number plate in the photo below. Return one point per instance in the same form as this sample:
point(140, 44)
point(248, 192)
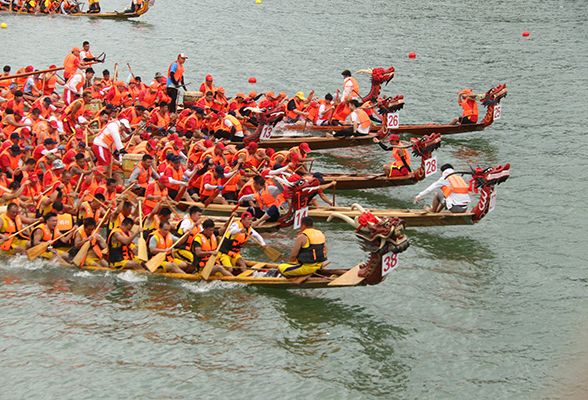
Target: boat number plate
point(266, 132)
point(430, 166)
point(298, 215)
point(492, 204)
point(389, 263)
point(497, 111)
point(393, 120)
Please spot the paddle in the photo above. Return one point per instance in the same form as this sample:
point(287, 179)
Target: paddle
point(172, 208)
point(160, 257)
point(21, 231)
point(211, 198)
point(39, 249)
point(212, 260)
point(86, 246)
point(142, 242)
point(272, 253)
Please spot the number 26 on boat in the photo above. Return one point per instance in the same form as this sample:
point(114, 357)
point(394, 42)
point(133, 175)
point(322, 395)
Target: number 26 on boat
point(389, 263)
point(392, 120)
point(497, 111)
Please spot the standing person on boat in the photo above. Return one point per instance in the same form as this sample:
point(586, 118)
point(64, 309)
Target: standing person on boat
point(94, 7)
point(109, 142)
point(175, 80)
point(360, 122)
point(454, 192)
point(309, 253)
point(399, 164)
point(207, 85)
point(236, 236)
point(467, 100)
point(350, 86)
point(75, 85)
point(135, 6)
point(72, 63)
point(204, 246)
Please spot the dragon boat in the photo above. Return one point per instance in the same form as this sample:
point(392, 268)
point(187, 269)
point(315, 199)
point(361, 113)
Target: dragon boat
point(268, 119)
point(483, 181)
point(107, 15)
point(381, 237)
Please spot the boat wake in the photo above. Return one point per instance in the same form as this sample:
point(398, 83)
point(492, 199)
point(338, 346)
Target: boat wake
point(205, 287)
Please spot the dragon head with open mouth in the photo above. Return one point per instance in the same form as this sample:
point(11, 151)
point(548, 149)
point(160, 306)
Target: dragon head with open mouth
point(265, 117)
point(377, 236)
point(379, 76)
point(485, 181)
point(299, 191)
point(490, 99)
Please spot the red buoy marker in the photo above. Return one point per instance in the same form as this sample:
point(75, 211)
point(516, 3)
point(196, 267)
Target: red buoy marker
point(412, 54)
point(252, 80)
point(525, 33)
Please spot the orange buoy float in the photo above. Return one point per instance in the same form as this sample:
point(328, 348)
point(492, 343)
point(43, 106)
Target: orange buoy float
point(525, 33)
point(252, 80)
point(412, 54)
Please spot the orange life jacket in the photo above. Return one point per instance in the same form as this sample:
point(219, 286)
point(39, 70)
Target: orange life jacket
point(232, 245)
point(207, 244)
point(457, 185)
point(214, 182)
point(164, 243)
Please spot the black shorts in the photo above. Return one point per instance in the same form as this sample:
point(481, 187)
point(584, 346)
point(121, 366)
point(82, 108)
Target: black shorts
point(465, 121)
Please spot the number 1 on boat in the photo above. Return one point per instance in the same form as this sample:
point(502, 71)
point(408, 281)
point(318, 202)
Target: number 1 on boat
point(298, 215)
point(392, 120)
point(389, 263)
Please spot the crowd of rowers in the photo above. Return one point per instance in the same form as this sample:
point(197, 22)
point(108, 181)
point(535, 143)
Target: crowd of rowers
point(60, 6)
point(62, 164)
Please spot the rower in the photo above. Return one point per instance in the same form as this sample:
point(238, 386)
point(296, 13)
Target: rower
point(45, 233)
point(94, 7)
point(16, 190)
point(204, 246)
point(75, 85)
point(295, 106)
point(399, 163)
point(309, 253)
point(360, 122)
point(94, 257)
point(10, 158)
point(325, 110)
point(267, 200)
point(161, 242)
point(454, 192)
point(207, 85)
point(155, 194)
point(11, 222)
point(122, 253)
point(122, 212)
point(91, 209)
point(153, 221)
point(467, 100)
point(211, 184)
point(235, 237)
point(142, 174)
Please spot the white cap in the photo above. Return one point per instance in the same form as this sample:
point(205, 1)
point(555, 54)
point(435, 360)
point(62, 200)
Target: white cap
point(126, 124)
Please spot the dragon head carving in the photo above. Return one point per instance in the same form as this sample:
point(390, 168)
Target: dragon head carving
point(390, 104)
point(423, 147)
point(490, 99)
point(265, 116)
point(379, 76)
point(484, 180)
point(300, 191)
point(377, 236)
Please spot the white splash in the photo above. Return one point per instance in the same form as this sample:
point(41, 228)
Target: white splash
point(130, 276)
point(204, 287)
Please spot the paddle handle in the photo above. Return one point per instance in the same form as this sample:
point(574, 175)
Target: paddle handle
point(172, 208)
point(21, 231)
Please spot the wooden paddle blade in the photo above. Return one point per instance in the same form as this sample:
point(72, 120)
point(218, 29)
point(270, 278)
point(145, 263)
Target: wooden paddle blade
point(36, 251)
point(156, 261)
point(349, 278)
point(81, 254)
point(259, 265)
point(143, 249)
point(272, 253)
point(205, 274)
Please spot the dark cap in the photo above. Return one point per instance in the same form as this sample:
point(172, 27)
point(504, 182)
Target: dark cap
point(15, 135)
point(49, 141)
point(15, 149)
point(220, 171)
point(176, 158)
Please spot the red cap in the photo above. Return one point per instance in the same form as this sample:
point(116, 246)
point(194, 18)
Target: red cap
point(29, 68)
point(19, 112)
point(265, 173)
point(179, 143)
point(152, 143)
point(208, 78)
point(25, 131)
point(314, 104)
point(271, 94)
point(208, 143)
point(163, 179)
point(221, 90)
point(100, 170)
point(220, 146)
point(52, 66)
point(294, 178)
point(305, 147)
point(294, 157)
point(145, 136)
point(240, 94)
point(53, 124)
point(253, 146)
point(182, 55)
point(252, 93)
point(393, 137)
point(269, 152)
point(79, 133)
point(246, 214)
point(173, 136)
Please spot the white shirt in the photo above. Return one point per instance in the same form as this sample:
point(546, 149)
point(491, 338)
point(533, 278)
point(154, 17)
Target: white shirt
point(454, 199)
point(321, 114)
point(234, 229)
point(355, 118)
point(73, 82)
point(347, 88)
point(112, 128)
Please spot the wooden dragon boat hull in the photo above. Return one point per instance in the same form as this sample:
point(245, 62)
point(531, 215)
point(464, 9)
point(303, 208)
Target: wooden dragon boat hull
point(315, 142)
point(367, 181)
point(108, 15)
point(302, 282)
point(412, 218)
point(417, 130)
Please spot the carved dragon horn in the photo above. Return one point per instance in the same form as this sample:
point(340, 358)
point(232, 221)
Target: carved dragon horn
point(256, 110)
point(364, 71)
point(345, 218)
point(359, 207)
